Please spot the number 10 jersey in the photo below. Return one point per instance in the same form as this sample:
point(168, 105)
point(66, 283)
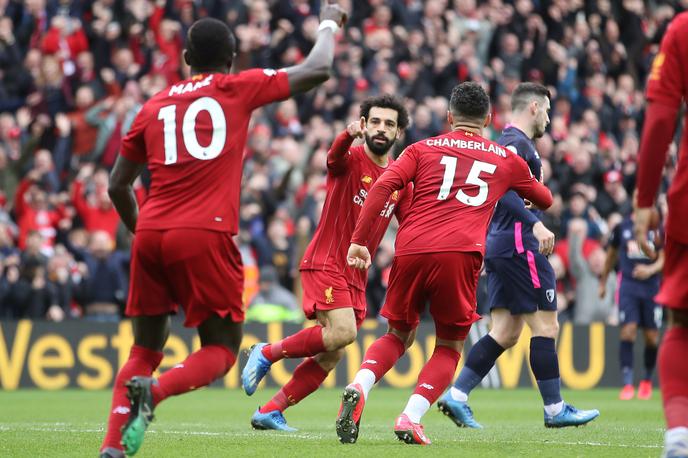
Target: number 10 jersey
point(192, 135)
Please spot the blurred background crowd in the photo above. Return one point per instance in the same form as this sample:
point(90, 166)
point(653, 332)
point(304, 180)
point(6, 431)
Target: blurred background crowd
point(73, 75)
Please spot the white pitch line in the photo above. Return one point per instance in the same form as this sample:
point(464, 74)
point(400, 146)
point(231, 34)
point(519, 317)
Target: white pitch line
point(12, 427)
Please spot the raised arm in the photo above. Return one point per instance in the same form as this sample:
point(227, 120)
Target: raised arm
point(609, 263)
point(315, 69)
point(577, 231)
point(338, 153)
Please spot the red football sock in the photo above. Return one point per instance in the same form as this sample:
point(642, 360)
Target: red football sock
point(673, 376)
point(198, 370)
point(306, 379)
point(383, 354)
point(142, 361)
point(307, 342)
point(437, 373)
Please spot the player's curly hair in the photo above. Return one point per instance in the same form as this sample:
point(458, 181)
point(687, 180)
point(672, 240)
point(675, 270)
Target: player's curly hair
point(525, 92)
point(469, 101)
point(209, 44)
point(387, 101)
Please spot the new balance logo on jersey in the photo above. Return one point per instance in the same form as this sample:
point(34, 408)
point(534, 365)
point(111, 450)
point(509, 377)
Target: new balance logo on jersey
point(427, 386)
point(121, 410)
point(329, 298)
point(549, 294)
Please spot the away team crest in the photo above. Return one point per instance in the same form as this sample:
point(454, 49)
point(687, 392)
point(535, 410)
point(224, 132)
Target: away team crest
point(549, 294)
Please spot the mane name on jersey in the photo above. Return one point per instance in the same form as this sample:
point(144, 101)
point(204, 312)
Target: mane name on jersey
point(190, 86)
point(466, 144)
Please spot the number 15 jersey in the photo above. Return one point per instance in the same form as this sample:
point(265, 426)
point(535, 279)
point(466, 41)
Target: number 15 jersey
point(458, 179)
point(192, 136)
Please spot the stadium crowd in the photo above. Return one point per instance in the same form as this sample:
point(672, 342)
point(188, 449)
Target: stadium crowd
point(73, 75)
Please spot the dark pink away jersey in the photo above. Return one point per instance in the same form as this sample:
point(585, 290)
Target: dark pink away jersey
point(192, 136)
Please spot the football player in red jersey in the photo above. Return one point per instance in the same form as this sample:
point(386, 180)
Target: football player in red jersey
point(458, 178)
point(192, 136)
point(334, 293)
point(667, 90)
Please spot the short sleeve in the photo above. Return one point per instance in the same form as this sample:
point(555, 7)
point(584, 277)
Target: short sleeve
point(134, 144)
point(666, 84)
point(259, 87)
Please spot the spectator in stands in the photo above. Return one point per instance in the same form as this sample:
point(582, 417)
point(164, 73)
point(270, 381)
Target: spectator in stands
point(91, 201)
point(113, 117)
point(586, 272)
point(104, 287)
point(273, 302)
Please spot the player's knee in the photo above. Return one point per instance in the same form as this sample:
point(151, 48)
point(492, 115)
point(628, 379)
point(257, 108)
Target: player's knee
point(628, 332)
point(343, 334)
point(403, 331)
point(329, 360)
point(410, 338)
point(506, 338)
point(652, 338)
point(550, 330)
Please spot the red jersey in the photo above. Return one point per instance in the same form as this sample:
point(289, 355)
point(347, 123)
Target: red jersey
point(667, 89)
point(350, 175)
point(192, 135)
point(457, 180)
point(94, 217)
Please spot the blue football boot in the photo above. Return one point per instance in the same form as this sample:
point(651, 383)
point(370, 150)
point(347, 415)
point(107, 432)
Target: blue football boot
point(459, 412)
point(255, 369)
point(570, 416)
point(270, 420)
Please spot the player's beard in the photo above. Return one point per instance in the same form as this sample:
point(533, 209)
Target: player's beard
point(379, 149)
point(539, 130)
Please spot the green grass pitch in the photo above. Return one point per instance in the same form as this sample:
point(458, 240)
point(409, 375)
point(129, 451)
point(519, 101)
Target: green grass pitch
point(215, 423)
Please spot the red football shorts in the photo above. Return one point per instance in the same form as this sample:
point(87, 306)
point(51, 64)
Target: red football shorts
point(674, 290)
point(198, 269)
point(324, 290)
point(447, 281)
